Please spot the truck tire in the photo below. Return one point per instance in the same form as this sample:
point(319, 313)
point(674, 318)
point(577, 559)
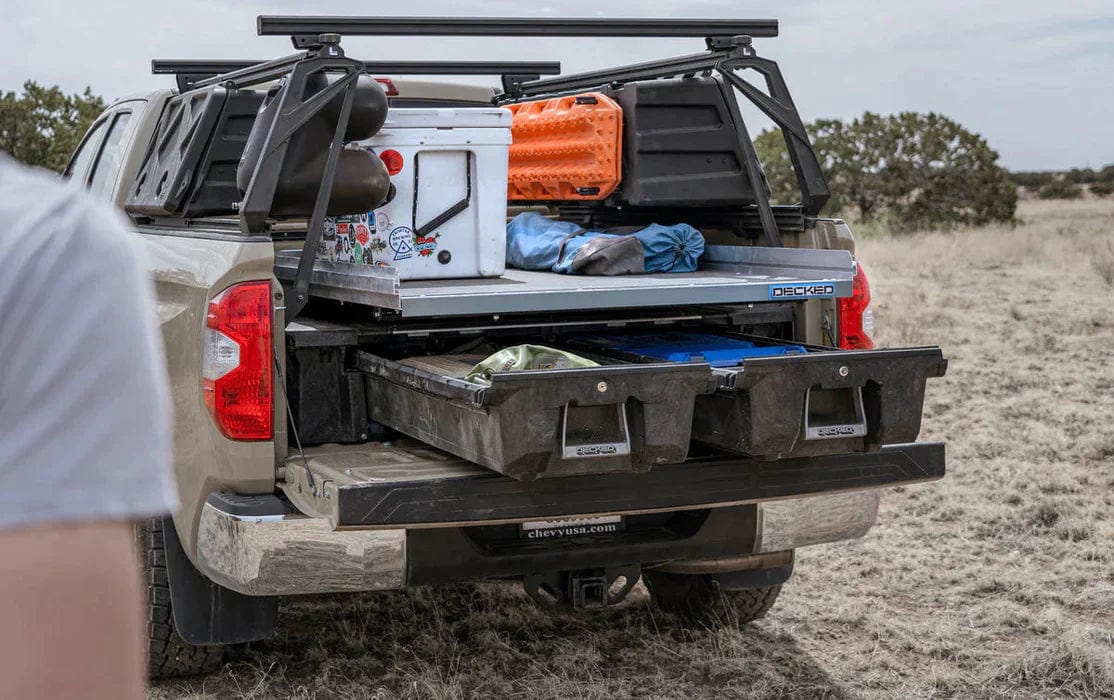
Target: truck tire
point(699, 598)
point(168, 655)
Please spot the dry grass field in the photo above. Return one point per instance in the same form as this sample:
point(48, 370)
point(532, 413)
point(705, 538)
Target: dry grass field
point(996, 582)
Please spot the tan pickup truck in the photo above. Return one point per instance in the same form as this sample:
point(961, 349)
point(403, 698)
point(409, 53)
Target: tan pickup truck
point(315, 454)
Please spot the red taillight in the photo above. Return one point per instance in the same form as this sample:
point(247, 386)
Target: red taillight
point(393, 160)
point(238, 378)
point(388, 86)
point(856, 318)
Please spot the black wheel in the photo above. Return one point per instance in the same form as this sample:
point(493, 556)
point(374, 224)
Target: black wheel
point(699, 598)
point(168, 655)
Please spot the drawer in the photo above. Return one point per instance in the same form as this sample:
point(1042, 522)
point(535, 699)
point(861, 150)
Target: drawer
point(542, 423)
point(777, 399)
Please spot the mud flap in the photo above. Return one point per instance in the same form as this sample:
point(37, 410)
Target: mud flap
point(754, 578)
point(205, 613)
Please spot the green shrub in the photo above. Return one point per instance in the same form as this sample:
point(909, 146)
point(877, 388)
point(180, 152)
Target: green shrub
point(1060, 189)
point(910, 170)
point(1102, 189)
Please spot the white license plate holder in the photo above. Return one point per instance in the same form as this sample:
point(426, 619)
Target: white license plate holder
point(571, 527)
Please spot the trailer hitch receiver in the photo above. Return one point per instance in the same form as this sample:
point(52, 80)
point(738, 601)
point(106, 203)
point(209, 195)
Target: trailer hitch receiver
point(586, 589)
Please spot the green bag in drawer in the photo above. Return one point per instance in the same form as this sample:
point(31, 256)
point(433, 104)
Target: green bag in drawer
point(523, 358)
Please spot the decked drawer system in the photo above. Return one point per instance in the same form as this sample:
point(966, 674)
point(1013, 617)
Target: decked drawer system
point(629, 417)
point(630, 414)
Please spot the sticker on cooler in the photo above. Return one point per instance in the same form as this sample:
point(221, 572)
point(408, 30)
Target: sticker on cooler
point(362, 234)
point(819, 290)
point(401, 241)
point(425, 245)
point(326, 247)
point(382, 221)
point(571, 527)
point(343, 246)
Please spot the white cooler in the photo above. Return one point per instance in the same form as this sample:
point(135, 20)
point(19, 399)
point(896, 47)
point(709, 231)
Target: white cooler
point(448, 217)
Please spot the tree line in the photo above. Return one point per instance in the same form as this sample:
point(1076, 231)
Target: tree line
point(1067, 184)
point(43, 125)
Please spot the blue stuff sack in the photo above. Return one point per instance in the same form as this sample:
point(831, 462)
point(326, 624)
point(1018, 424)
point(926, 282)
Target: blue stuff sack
point(670, 248)
point(535, 242)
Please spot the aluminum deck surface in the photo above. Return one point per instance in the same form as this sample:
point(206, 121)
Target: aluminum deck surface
point(729, 275)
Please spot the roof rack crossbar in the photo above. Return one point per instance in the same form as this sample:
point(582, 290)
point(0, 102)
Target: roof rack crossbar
point(190, 73)
point(286, 25)
point(219, 66)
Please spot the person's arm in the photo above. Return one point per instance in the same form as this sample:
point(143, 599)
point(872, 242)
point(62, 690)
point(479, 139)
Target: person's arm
point(71, 625)
point(84, 442)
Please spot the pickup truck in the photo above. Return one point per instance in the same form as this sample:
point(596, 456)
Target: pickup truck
point(296, 474)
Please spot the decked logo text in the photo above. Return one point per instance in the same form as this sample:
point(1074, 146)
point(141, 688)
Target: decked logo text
point(802, 291)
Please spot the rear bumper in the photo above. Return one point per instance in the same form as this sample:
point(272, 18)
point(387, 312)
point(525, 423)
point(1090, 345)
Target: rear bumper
point(422, 533)
point(287, 553)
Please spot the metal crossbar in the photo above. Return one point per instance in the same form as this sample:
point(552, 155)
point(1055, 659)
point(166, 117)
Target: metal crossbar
point(191, 72)
point(282, 25)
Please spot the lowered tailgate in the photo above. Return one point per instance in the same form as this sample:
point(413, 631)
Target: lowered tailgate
point(408, 484)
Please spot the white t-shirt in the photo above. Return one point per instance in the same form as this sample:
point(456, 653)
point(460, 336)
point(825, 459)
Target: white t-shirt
point(84, 410)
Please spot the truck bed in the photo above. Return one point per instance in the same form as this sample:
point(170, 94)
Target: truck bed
point(728, 275)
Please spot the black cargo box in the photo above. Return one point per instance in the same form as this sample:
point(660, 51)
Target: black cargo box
point(190, 168)
point(680, 145)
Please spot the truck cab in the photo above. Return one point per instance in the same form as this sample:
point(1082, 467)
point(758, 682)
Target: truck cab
point(328, 437)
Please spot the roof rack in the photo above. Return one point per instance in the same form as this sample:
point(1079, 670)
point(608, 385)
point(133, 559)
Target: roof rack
point(310, 26)
point(191, 72)
point(729, 50)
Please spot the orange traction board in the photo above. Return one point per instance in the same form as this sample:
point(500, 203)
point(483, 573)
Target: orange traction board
point(565, 148)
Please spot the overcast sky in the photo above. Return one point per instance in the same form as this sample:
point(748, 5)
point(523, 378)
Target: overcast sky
point(1035, 77)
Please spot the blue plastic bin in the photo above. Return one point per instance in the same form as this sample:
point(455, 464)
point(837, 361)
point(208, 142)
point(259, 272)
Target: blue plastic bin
point(689, 347)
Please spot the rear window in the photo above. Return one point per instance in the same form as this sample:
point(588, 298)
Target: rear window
point(108, 164)
point(79, 164)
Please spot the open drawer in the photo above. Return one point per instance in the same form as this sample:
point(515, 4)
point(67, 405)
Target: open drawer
point(558, 422)
point(791, 400)
point(819, 403)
